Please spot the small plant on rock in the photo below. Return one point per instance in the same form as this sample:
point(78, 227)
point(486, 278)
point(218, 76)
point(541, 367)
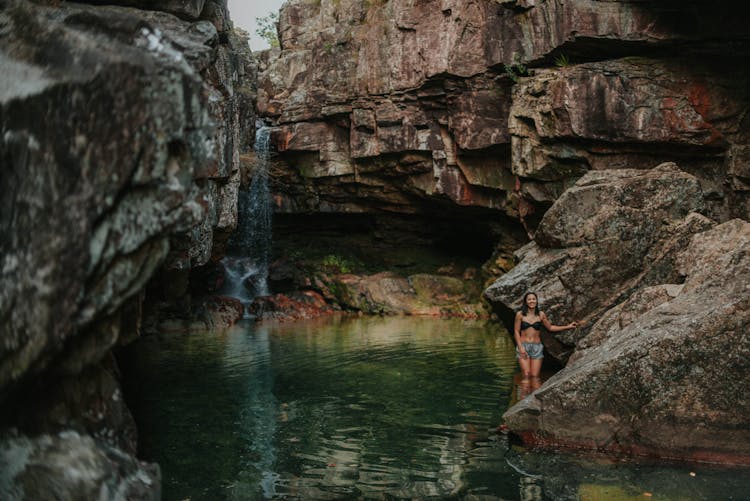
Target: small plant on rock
point(562, 61)
point(516, 69)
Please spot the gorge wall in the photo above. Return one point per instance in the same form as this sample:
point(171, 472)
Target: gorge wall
point(121, 133)
point(400, 105)
point(561, 119)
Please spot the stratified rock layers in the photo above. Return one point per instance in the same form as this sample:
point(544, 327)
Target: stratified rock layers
point(394, 105)
point(119, 156)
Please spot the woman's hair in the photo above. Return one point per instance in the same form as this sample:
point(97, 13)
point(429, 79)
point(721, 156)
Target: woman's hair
point(525, 308)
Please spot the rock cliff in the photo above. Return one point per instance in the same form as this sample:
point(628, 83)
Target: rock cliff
point(561, 118)
point(391, 105)
point(121, 132)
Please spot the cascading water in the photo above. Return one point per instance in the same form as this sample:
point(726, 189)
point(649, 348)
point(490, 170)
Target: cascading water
point(248, 252)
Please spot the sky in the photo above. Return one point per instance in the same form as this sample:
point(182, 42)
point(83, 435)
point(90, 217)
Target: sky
point(244, 12)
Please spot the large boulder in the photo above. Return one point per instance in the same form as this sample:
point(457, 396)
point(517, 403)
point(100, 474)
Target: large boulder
point(119, 154)
point(611, 233)
point(72, 466)
point(664, 372)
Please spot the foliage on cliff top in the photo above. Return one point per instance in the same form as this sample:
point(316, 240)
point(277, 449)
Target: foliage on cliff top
point(266, 27)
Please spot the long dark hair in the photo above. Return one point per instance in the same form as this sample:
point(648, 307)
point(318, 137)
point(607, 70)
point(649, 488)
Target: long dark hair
point(525, 308)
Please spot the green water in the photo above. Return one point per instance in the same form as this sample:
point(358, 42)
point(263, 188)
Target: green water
point(375, 408)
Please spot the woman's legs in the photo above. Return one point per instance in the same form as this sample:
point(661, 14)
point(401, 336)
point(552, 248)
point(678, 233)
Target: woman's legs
point(535, 366)
point(525, 363)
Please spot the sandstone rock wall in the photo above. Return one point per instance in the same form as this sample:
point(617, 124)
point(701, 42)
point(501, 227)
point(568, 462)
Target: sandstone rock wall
point(382, 105)
point(121, 129)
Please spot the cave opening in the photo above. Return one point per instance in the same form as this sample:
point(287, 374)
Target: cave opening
point(373, 242)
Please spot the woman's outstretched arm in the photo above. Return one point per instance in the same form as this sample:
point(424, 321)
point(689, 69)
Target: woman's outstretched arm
point(556, 328)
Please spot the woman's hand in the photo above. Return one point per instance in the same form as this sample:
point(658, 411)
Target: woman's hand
point(572, 325)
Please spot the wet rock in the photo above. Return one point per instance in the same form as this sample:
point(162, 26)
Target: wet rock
point(221, 312)
point(207, 313)
point(663, 372)
point(72, 466)
point(293, 306)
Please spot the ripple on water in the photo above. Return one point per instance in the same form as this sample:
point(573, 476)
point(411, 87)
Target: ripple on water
point(354, 408)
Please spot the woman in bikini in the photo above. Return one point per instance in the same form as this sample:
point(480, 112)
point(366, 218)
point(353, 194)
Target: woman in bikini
point(527, 330)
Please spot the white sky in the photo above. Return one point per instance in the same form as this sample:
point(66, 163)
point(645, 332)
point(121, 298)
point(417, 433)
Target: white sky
point(244, 12)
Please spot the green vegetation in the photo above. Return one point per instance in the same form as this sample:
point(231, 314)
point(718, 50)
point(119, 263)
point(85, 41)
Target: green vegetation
point(339, 264)
point(562, 61)
point(266, 28)
point(516, 69)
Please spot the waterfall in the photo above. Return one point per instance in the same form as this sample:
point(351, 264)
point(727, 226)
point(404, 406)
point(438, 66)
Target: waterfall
point(249, 249)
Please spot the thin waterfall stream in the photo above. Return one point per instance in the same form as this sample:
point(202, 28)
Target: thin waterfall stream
point(249, 250)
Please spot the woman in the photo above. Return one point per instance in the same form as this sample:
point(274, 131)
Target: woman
point(527, 329)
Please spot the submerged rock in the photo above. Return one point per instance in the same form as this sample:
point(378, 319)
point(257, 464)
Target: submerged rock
point(292, 306)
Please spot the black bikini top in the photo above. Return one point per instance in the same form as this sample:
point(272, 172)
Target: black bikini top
point(536, 325)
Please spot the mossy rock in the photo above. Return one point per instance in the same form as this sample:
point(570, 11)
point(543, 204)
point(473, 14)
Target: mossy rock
point(438, 289)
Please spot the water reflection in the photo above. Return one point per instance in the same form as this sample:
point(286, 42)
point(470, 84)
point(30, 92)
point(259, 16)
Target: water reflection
point(524, 386)
point(366, 408)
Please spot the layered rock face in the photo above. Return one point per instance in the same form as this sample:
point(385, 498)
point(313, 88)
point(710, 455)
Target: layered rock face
point(120, 136)
point(391, 105)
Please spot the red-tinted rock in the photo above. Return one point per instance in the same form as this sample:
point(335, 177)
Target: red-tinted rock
point(391, 78)
point(293, 306)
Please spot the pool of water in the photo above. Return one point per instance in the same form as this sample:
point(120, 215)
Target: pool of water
point(365, 408)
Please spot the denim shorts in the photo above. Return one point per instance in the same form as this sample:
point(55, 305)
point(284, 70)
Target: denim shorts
point(533, 350)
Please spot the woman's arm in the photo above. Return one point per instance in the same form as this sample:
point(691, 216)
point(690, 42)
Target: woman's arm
point(517, 334)
point(556, 328)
